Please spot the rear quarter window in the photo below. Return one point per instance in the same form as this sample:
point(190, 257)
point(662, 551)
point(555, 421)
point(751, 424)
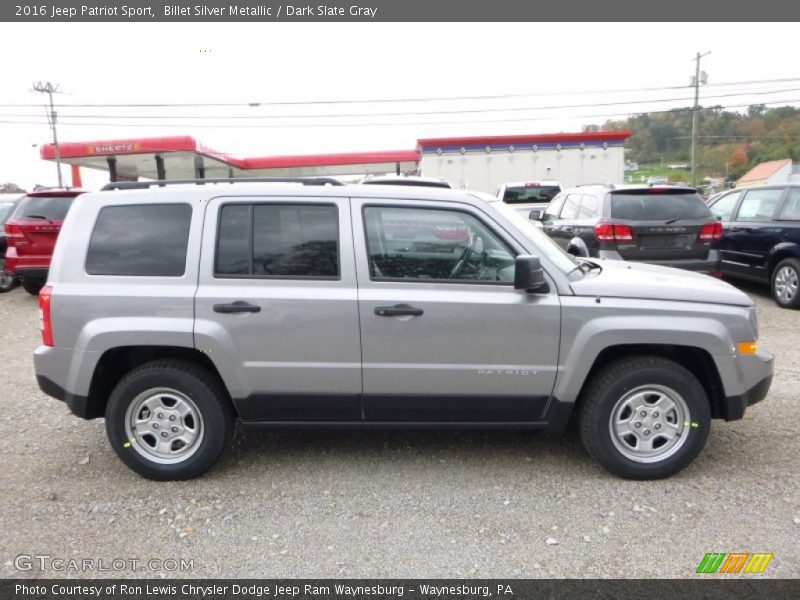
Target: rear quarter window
point(658, 207)
point(143, 240)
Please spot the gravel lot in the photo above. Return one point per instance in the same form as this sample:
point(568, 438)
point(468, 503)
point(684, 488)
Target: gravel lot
point(397, 504)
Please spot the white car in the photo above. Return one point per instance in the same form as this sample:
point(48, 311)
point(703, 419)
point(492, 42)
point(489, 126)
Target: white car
point(529, 198)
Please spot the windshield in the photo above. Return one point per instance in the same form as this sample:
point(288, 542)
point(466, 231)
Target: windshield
point(53, 208)
point(530, 193)
point(544, 244)
point(658, 207)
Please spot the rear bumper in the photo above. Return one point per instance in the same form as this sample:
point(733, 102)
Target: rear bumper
point(30, 273)
point(65, 374)
point(711, 264)
point(27, 267)
point(78, 405)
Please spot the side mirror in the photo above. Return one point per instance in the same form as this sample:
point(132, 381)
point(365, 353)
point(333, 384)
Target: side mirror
point(535, 215)
point(529, 275)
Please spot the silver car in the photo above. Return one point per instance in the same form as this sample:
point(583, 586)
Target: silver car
point(174, 310)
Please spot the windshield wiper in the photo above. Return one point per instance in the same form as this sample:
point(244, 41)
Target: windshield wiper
point(35, 217)
point(671, 221)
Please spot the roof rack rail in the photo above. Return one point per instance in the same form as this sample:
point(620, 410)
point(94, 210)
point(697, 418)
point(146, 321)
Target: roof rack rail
point(142, 185)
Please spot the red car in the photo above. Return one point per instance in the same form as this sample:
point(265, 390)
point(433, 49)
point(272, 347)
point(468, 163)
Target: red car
point(31, 234)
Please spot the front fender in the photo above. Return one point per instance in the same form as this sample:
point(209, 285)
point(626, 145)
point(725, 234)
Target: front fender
point(589, 327)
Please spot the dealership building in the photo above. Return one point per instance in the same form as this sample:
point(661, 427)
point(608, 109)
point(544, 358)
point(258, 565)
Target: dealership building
point(477, 163)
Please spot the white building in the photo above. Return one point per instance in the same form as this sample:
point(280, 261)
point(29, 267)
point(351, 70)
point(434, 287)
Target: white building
point(484, 163)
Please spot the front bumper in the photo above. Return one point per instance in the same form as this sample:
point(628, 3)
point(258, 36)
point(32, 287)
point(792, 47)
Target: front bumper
point(755, 376)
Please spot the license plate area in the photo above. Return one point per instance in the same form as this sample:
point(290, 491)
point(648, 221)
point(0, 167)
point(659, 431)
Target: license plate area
point(663, 242)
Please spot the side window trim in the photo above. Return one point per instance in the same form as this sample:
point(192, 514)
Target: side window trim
point(500, 237)
point(251, 241)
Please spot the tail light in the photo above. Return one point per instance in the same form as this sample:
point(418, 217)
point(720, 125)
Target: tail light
point(13, 231)
point(613, 232)
point(45, 325)
point(711, 232)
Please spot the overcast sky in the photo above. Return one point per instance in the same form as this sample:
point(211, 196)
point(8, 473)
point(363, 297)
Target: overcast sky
point(539, 65)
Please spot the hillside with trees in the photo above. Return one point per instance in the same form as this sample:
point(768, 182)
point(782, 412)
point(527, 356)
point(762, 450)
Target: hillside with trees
point(728, 143)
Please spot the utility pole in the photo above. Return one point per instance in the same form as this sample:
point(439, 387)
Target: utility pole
point(50, 89)
point(699, 77)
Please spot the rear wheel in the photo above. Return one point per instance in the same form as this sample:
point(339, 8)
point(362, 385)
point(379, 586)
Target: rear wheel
point(644, 418)
point(32, 287)
point(169, 420)
point(785, 283)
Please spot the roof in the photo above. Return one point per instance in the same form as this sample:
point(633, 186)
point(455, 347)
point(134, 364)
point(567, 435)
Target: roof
point(763, 171)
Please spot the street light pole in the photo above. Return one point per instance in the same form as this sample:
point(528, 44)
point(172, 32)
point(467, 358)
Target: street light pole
point(50, 89)
point(696, 82)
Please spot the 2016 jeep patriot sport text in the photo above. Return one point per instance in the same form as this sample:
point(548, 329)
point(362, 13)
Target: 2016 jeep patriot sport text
point(173, 311)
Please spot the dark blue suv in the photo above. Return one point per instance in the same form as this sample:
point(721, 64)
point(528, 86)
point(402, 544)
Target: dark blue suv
point(761, 237)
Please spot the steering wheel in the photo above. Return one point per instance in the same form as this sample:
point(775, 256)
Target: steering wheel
point(464, 258)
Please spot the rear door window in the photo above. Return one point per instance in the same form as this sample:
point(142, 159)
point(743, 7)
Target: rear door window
point(280, 241)
point(759, 205)
point(658, 206)
point(724, 207)
point(51, 208)
point(142, 240)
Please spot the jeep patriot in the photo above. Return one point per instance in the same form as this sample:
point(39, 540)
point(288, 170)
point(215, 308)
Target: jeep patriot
point(174, 309)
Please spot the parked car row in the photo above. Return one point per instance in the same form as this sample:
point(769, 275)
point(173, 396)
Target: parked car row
point(751, 233)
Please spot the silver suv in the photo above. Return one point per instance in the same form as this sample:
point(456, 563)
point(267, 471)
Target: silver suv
point(174, 310)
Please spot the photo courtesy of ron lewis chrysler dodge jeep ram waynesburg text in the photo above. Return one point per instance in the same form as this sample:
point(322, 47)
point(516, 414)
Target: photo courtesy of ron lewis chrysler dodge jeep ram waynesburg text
point(173, 310)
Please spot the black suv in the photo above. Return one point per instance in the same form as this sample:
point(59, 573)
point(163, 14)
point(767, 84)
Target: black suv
point(761, 237)
point(664, 225)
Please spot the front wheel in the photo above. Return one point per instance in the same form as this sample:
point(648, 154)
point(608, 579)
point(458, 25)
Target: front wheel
point(785, 283)
point(644, 418)
point(169, 420)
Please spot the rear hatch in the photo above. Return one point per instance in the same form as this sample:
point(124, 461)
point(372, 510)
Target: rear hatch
point(34, 226)
point(660, 224)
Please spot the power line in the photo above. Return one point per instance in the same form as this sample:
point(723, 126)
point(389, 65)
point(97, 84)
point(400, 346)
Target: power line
point(412, 113)
point(402, 124)
point(254, 104)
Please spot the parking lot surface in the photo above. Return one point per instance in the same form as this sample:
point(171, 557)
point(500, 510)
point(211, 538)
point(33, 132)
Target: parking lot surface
point(323, 503)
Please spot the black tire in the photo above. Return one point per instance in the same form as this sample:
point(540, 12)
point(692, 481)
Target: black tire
point(32, 287)
point(788, 266)
point(7, 282)
point(611, 386)
point(217, 418)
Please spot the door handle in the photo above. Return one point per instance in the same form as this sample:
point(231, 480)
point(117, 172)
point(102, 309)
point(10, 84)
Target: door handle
point(398, 310)
point(240, 306)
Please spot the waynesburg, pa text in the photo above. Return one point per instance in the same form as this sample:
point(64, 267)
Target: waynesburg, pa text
point(199, 590)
